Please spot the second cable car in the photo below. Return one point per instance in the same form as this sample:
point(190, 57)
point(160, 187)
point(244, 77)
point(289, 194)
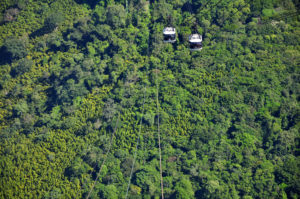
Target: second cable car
point(169, 34)
point(195, 41)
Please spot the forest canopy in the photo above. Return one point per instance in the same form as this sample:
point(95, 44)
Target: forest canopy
point(93, 103)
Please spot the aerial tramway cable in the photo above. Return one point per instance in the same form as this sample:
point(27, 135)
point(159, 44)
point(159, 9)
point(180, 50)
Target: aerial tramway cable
point(195, 39)
point(232, 14)
point(158, 134)
point(86, 179)
point(107, 153)
point(159, 143)
point(281, 17)
point(158, 131)
point(111, 140)
point(137, 144)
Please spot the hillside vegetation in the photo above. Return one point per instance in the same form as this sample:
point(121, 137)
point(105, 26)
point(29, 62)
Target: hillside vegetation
point(83, 81)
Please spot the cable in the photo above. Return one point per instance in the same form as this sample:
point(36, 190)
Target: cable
point(107, 153)
point(217, 3)
point(293, 14)
point(137, 143)
point(282, 16)
point(158, 128)
point(86, 180)
point(190, 7)
point(158, 132)
point(191, 10)
point(238, 10)
point(90, 172)
point(207, 2)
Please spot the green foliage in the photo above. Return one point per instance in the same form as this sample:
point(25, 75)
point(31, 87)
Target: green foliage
point(23, 66)
point(116, 16)
point(268, 12)
point(184, 189)
point(110, 191)
point(228, 115)
point(15, 48)
point(52, 21)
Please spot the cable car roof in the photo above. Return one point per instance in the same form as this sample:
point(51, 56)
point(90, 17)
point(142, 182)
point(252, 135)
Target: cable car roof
point(195, 38)
point(169, 31)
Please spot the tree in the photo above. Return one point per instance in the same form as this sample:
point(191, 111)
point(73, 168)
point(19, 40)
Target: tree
point(109, 110)
point(11, 14)
point(69, 91)
point(184, 189)
point(21, 108)
point(52, 21)
point(77, 168)
point(53, 194)
point(103, 31)
point(288, 173)
point(15, 48)
point(109, 191)
point(116, 16)
point(148, 179)
point(23, 66)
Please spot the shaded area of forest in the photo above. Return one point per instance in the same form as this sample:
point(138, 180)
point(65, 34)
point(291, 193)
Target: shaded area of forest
point(229, 114)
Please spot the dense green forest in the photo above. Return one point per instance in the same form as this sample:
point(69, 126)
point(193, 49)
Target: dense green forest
point(82, 82)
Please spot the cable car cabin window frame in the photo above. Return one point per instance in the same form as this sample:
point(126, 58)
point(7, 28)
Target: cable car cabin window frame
point(169, 34)
point(195, 46)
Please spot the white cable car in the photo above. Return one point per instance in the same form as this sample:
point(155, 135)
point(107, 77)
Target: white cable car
point(169, 35)
point(195, 41)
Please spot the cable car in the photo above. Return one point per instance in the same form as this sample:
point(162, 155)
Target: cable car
point(195, 41)
point(169, 35)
